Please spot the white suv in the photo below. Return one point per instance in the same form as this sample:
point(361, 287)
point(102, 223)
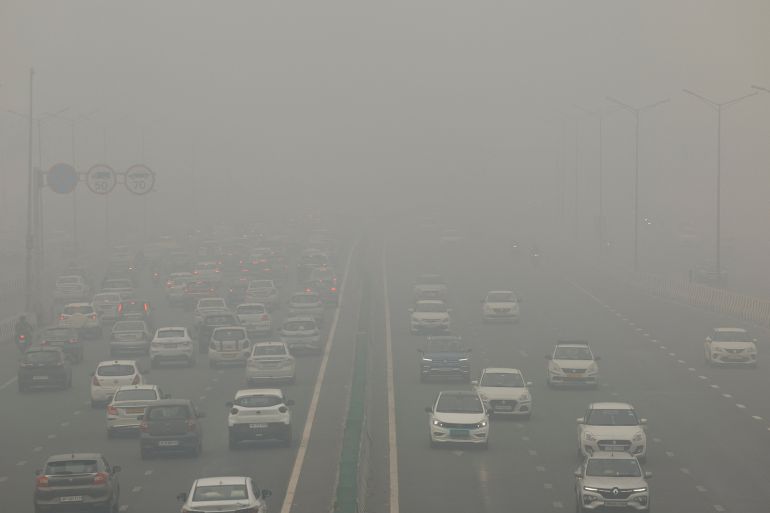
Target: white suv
point(259, 414)
point(255, 317)
point(572, 363)
point(611, 427)
point(731, 346)
point(505, 392)
point(229, 344)
point(431, 316)
point(502, 305)
point(458, 416)
point(611, 480)
point(172, 344)
point(111, 375)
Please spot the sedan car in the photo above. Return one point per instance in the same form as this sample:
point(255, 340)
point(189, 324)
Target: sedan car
point(458, 416)
point(429, 316)
point(259, 414)
point(445, 356)
point(611, 427)
point(44, 367)
point(129, 337)
point(502, 305)
point(572, 363)
point(133, 310)
point(82, 317)
point(611, 481)
point(226, 494)
point(111, 375)
point(270, 361)
point(731, 346)
point(77, 481)
point(255, 318)
point(172, 344)
point(66, 339)
point(307, 304)
point(228, 345)
point(263, 291)
point(505, 392)
point(429, 286)
point(106, 305)
point(128, 405)
point(170, 425)
point(207, 305)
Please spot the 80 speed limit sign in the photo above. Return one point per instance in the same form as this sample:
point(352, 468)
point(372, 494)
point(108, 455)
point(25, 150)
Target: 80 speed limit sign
point(101, 179)
point(139, 179)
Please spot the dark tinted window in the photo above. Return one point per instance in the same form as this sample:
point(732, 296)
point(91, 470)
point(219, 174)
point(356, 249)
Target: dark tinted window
point(58, 334)
point(220, 320)
point(258, 401)
point(116, 369)
point(58, 468)
point(42, 357)
point(226, 334)
point(168, 412)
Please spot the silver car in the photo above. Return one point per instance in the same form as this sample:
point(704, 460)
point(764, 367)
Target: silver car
point(270, 361)
point(226, 494)
point(129, 337)
point(611, 480)
point(172, 344)
point(127, 406)
point(106, 305)
point(307, 304)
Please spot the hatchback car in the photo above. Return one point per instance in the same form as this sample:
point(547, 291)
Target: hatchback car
point(255, 318)
point(67, 339)
point(106, 305)
point(77, 481)
point(429, 316)
point(612, 481)
point(259, 414)
point(301, 333)
point(611, 427)
point(458, 417)
point(505, 392)
point(229, 344)
point(82, 317)
point(307, 304)
point(111, 375)
point(731, 346)
point(270, 361)
point(210, 322)
point(171, 425)
point(500, 305)
point(128, 405)
point(225, 494)
point(44, 367)
point(172, 344)
point(133, 310)
point(572, 363)
point(129, 337)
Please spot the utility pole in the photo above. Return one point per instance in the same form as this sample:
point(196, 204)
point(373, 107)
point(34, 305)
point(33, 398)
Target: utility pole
point(30, 247)
point(718, 107)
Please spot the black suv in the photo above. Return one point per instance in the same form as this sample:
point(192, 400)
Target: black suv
point(67, 339)
point(44, 367)
point(444, 356)
point(77, 481)
point(209, 323)
point(170, 425)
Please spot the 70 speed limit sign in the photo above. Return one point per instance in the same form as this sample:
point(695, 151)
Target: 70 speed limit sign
point(139, 179)
point(101, 179)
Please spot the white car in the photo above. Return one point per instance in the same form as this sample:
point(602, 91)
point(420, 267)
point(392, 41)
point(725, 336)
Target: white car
point(500, 305)
point(429, 316)
point(229, 344)
point(207, 305)
point(111, 375)
point(176, 284)
point(270, 361)
point(504, 392)
point(301, 333)
point(307, 304)
point(225, 494)
point(106, 305)
point(430, 286)
point(611, 480)
point(208, 271)
point(460, 417)
point(572, 363)
point(611, 427)
point(731, 346)
point(69, 288)
point(128, 405)
point(259, 414)
point(172, 344)
point(255, 318)
point(82, 317)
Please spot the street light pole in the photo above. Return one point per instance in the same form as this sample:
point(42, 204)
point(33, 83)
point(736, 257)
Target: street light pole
point(636, 111)
point(718, 107)
point(28, 278)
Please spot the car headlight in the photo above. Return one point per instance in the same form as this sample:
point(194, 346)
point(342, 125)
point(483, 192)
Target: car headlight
point(463, 359)
point(438, 423)
point(639, 490)
point(427, 359)
point(590, 489)
point(592, 369)
point(524, 397)
point(588, 436)
point(638, 437)
point(482, 424)
point(555, 368)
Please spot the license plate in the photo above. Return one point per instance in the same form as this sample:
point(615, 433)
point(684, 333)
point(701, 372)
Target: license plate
point(257, 426)
point(503, 408)
point(459, 433)
point(72, 498)
point(229, 355)
point(168, 443)
point(134, 410)
point(40, 378)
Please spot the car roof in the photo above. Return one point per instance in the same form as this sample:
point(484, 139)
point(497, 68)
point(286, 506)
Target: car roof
point(118, 362)
point(172, 328)
point(225, 480)
point(77, 304)
point(431, 301)
point(610, 406)
point(74, 456)
point(730, 330)
point(571, 343)
point(251, 304)
point(439, 338)
point(221, 328)
point(500, 292)
point(69, 276)
point(270, 343)
point(459, 393)
point(259, 391)
point(606, 455)
point(501, 370)
point(136, 387)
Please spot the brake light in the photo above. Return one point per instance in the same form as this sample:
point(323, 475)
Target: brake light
point(41, 481)
point(146, 307)
point(73, 341)
point(333, 289)
point(195, 272)
point(22, 337)
point(137, 380)
point(42, 343)
point(111, 410)
point(191, 424)
point(143, 426)
point(308, 290)
point(101, 478)
point(120, 307)
point(95, 381)
point(264, 317)
point(93, 316)
point(61, 317)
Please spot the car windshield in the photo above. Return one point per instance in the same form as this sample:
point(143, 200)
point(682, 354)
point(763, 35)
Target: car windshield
point(140, 394)
point(431, 307)
point(299, 325)
point(572, 353)
point(107, 298)
point(612, 418)
point(69, 467)
point(258, 401)
point(269, 350)
point(251, 309)
point(116, 369)
point(601, 467)
point(229, 334)
point(220, 493)
point(304, 299)
point(42, 357)
point(128, 326)
point(58, 334)
point(430, 280)
point(170, 333)
point(731, 336)
point(501, 297)
point(501, 379)
point(459, 403)
point(221, 320)
point(168, 412)
point(80, 309)
point(211, 303)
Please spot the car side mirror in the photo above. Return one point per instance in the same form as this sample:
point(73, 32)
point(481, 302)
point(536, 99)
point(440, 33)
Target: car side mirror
point(548, 357)
point(182, 497)
point(266, 493)
point(581, 420)
point(648, 475)
point(289, 402)
point(475, 382)
point(643, 422)
point(116, 469)
point(428, 409)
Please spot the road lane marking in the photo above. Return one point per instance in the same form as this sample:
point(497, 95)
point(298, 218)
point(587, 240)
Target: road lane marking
point(727, 396)
point(719, 508)
point(124, 507)
point(148, 472)
point(681, 361)
point(391, 389)
point(672, 354)
point(202, 398)
point(540, 468)
point(8, 383)
point(715, 387)
point(741, 406)
point(38, 448)
point(685, 471)
point(51, 436)
point(669, 454)
point(691, 369)
point(3, 479)
point(65, 423)
point(136, 489)
point(703, 377)
point(558, 504)
point(701, 488)
point(207, 389)
point(756, 417)
point(548, 486)
point(532, 452)
point(76, 412)
point(299, 459)
point(525, 438)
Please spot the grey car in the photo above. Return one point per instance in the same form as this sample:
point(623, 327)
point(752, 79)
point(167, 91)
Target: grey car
point(129, 337)
point(170, 425)
point(77, 482)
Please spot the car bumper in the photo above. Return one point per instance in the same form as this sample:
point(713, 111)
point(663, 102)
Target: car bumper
point(509, 408)
point(129, 347)
point(728, 360)
point(429, 328)
point(123, 423)
point(103, 394)
point(638, 449)
point(576, 381)
point(278, 373)
point(238, 357)
point(170, 443)
point(42, 379)
point(595, 502)
point(506, 316)
point(88, 503)
point(172, 354)
point(458, 436)
point(436, 372)
point(303, 343)
point(259, 431)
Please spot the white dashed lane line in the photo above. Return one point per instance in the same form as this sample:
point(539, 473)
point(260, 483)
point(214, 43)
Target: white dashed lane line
point(741, 406)
point(21, 463)
point(727, 396)
point(3, 479)
point(124, 507)
point(719, 508)
point(701, 488)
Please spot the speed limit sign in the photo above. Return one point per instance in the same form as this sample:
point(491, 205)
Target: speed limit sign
point(139, 179)
point(101, 179)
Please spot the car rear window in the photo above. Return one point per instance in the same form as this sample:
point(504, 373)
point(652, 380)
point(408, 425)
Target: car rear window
point(168, 412)
point(258, 401)
point(116, 369)
point(107, 298)
point(128, 326)
point(170, 333)
point(229, 334)
point(305, 299)
point(220, 493)
point(69, 467)
point(220, 320)
point(57, 334)
point(211, 303)
point(299, 325)
point(84, 309)
point(42, 357)
point(271, 350)
point(141, 394)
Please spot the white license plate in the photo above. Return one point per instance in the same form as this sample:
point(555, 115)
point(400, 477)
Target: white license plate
point(73, 498)
point(257, 426)
point(503, 408)
point(168, 443)
point(39, 378)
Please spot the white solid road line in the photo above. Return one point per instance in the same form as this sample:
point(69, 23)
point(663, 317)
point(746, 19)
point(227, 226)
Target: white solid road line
point(299, 460)
point(392, 447)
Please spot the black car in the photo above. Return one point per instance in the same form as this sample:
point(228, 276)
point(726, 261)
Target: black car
point(170, 425)
point(445, 356)
point(209, 323)
point(132, 310)
point(67, 339)
point(43, 367)
point(77, 482)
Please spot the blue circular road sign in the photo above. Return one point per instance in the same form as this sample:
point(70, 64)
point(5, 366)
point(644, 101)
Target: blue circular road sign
point(62, 178)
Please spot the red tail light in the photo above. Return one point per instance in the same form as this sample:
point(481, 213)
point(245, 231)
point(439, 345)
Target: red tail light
point(191, 424)
point(146, 307)
point(101, 478)
point(264, 317)
point(45, 342)
point(22, 337)
point(333, 289)
point(93, 316)
point(95, 381)
point(41, 481)
point(120, 307)
point(137, 380)
point(73, 341)
point(143, 426)
point(111, 410)
point(61, 317)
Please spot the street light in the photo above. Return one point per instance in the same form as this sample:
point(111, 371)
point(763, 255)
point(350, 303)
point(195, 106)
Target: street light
point(718, 107)
point(636, 111)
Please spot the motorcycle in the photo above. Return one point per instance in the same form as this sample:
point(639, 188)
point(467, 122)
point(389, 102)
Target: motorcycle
point(23, 342)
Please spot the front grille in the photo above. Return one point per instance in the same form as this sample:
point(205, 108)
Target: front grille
point(459, 426)
point(574, 371)
point(503, 405)
point(610, 493)
point(734, 351)
point(616, 445)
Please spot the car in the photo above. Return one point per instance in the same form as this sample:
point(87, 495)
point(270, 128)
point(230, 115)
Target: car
point(130, 337)
point(311, 259)
point(83, 318)
point(504, 392)
point(306, 304)
point(572, 363)
point(270, 361)
point(128, 405)
point(175, 287)
point(731, 346)
point(255, 318)
point(445, 356)
point(196, 290)
point(67, 339)
point(231, 493)
point(458, 416)
point(208, 271)
point(210, 322)
point(209, 304)
point(300, 333)
point(70, 288)
point(429, 286)
point(259, 291)
point(80, 481)
point(259, 414)
point(430, 316)
point(111, 375)
point(611, 481)
point(170, 425)
point(106, 305)
point(133, 310)
point(43, 367)
point(500, 305)
point(323, 281)
point(611, 427)
point(172, 344)
point(229, 344)
point(121, 285)
point(235, 290)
